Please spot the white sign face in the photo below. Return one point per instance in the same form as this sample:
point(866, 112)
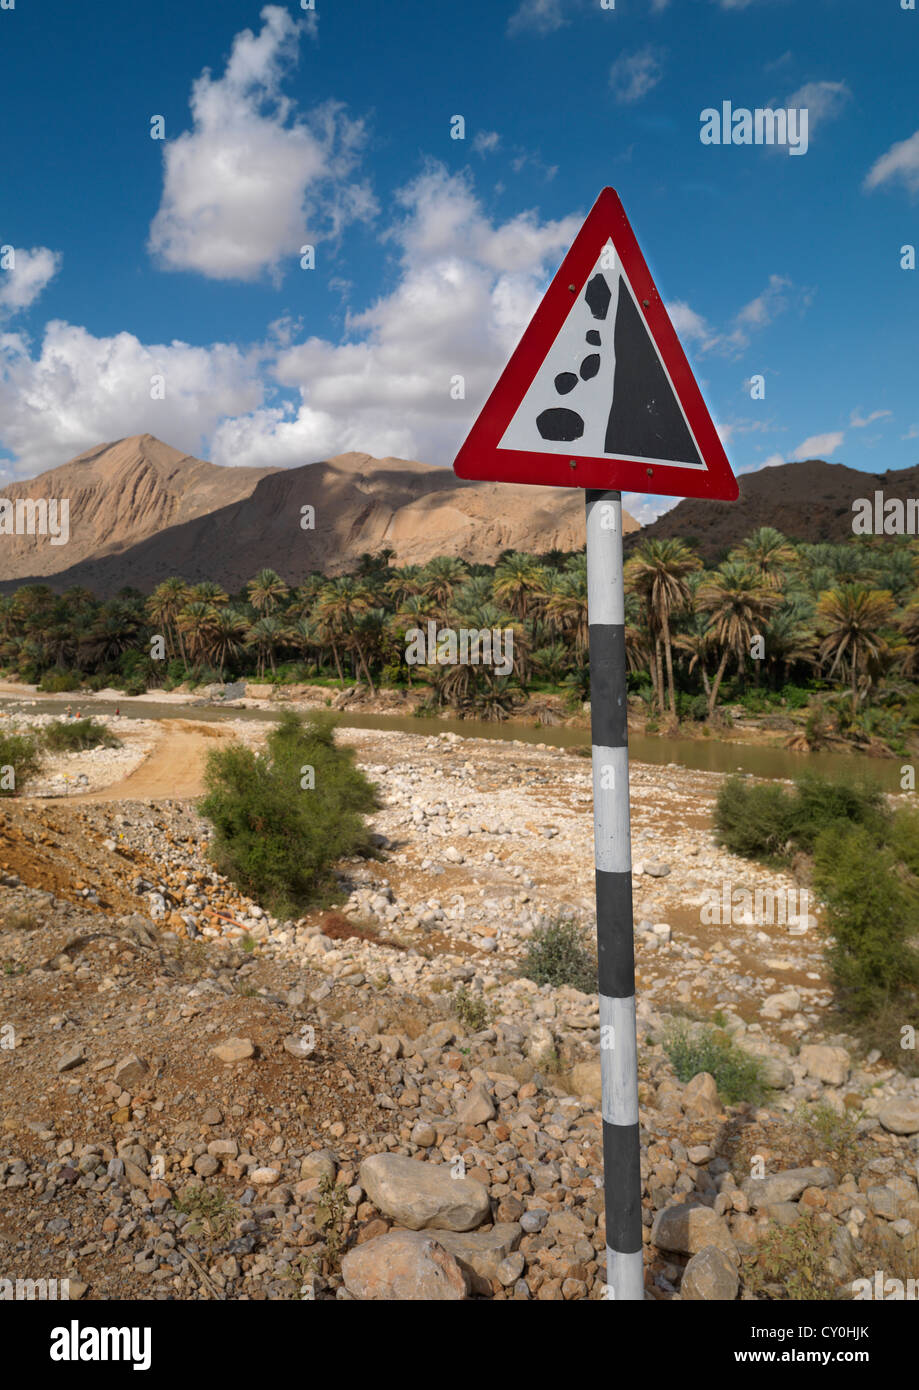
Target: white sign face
point(575, 405)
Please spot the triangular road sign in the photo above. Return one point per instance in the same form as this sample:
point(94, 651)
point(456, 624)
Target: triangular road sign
point(598, 392)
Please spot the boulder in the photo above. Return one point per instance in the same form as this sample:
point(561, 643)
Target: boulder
point(689, 1227)
point(480, 1253)
point(827, 1064)
point(901, 1115)
point(710, 1276)
point(421, 1195)
point(785, 1187)
point(403, 1266)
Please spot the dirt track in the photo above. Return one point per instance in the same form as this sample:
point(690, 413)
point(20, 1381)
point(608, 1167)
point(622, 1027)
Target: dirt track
point(173, 768)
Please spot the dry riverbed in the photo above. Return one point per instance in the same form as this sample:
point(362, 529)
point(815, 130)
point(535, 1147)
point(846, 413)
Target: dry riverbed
point(169, 1035)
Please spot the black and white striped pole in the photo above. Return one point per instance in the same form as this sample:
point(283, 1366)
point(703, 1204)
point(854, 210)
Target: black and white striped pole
point(613, 860)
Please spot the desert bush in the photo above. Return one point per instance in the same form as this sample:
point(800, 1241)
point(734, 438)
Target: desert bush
point(738, 1076)
point(470, 1009)
point(557, 955)
point(77, 734)
point(19, 761)
point(792, 1262)
point(275, 839)
point(55, 681)
point(764, 820)
point(873, 914)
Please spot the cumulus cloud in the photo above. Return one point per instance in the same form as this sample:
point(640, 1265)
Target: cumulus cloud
point(633, 75)
point(466, 291)
point(80, 390)
point(819, 446)
point(253, 180)
point(899, 164)
point(25, 276)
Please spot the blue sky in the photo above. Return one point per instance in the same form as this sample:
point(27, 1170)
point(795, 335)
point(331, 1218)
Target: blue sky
point(138, 259)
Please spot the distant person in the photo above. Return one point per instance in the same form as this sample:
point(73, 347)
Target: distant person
point(69, 712)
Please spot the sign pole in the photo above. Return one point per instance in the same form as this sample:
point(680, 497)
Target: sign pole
point(613, 861)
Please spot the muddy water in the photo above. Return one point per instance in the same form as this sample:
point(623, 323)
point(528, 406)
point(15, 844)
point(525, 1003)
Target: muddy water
point(703, 754)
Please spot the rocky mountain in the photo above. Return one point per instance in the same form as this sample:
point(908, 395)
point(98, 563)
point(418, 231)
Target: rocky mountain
point(140, 511)
point(810, 501)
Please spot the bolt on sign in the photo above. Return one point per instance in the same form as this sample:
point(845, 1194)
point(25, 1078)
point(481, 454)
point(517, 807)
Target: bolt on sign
point(599, 395)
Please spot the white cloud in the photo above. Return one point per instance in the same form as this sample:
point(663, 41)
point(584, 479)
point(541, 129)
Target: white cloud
point(81, 390)
point(690, 326)
point(860, 422)
point(824, 101)
point(23, 282)
point(819, 446)
point(486, 141)
point(253, 181)
point(538, 17)
point(773, 461)
point(754, 316)
point(633, 75)
point(467, 290)
point(911, 433)
point(900, 162)
point(646, 510)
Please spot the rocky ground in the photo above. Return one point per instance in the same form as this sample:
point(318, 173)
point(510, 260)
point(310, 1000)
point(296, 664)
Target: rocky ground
point(200, 1101)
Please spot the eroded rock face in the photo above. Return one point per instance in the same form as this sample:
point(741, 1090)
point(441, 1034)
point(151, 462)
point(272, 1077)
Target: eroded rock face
point(423, 1196)
point(403, 1266)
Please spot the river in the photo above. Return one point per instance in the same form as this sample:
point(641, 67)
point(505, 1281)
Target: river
point(702, 754)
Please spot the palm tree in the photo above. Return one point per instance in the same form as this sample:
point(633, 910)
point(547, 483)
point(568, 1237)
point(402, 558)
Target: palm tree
point(770, 554)
point(265, 635)
point(209, 592)
point(738, 604)
point(340, 602)
point(851, 618)
point(441, 577)
point(163, 607)
point(517, 577)
point(657, 571)
point(197, 622)
point(228, 636)
point(909, 626)
point(566, 603)
point(266, 591)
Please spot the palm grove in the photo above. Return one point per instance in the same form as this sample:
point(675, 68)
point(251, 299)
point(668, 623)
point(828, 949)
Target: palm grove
point(830, 629)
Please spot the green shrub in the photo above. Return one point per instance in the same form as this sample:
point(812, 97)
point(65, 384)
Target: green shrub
point(763, 820)
point(557, 955)
point(55, 681)
point(76, 734)
point(470, 1009)
point(738, 1076)
point(135, 684)
point(873, 914)
point(792, 1262)
point(19, 761)
point(276, 839)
